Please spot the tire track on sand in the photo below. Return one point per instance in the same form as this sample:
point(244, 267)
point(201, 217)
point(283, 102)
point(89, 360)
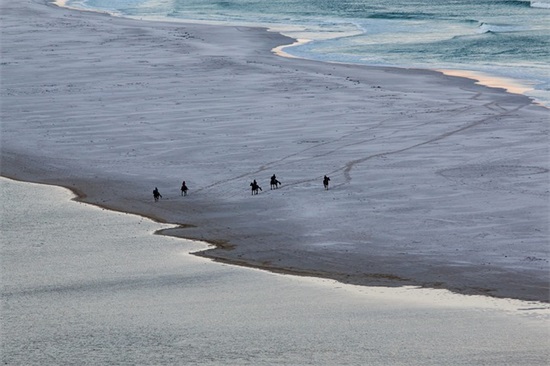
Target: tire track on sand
point(350, 165)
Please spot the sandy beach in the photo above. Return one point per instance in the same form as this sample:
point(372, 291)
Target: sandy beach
point(435, 181)
point(124, 296)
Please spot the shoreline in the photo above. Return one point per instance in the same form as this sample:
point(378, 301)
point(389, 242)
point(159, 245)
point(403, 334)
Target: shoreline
point(234, 243)
point(512, 86)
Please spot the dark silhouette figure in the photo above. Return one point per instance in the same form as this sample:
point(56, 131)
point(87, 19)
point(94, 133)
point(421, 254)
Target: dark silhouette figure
point(156, 194)
point(325, 181)
point(184, 189)
point(255, 187)
point(274, 182)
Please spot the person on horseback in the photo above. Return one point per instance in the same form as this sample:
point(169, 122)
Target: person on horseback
point(274, 182)
point(325, 181)
point(156, 194)
point(184, 189)
point(255, 187)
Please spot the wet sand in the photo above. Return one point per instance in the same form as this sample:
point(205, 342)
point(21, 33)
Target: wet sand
point(435, 181)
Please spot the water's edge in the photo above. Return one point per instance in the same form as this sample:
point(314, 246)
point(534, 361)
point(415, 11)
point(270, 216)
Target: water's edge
point(510, 86)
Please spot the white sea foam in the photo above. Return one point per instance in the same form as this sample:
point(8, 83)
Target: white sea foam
point(540, 4)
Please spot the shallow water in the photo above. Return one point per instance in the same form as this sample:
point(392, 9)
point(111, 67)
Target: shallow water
point(81, 285)
point(505, 38)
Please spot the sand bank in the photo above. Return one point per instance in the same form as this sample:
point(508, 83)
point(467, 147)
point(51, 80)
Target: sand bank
point(436, 181)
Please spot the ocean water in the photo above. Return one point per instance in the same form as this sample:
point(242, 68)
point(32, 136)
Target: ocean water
point(506, 39)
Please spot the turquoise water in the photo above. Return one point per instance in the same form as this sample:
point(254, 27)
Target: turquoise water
point(503, 38)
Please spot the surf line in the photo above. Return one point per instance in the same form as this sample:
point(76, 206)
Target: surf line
point(510, 85)
point(279, 51)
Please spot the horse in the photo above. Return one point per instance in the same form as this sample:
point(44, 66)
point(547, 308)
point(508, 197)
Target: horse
point(156, 194)
point(325, 182)
point(184, 189)
point(255, 187)
point(274, 182)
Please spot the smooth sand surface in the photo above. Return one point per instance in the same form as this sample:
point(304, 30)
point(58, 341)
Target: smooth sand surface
point(435, 181)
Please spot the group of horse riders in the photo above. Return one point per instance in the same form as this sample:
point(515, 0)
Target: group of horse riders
point(274, 184)
point(157, 195)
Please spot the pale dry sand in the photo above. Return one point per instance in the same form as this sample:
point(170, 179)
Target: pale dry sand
point(436, 181)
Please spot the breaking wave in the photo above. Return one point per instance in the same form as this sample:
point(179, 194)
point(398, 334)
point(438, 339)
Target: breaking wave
point(499, 28)
point(540, 4)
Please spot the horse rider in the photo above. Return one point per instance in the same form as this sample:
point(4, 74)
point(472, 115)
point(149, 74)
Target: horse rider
point(184, 189)
point(156, 194)
point(325, 181)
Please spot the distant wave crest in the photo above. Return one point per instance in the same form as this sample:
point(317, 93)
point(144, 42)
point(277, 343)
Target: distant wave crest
point(499, 28)
point(540, 4)
point(399, 15)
